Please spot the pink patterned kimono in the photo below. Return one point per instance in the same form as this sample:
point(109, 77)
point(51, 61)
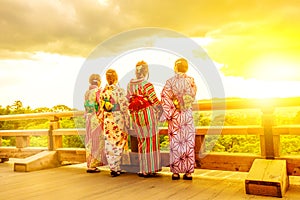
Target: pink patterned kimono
point(94, 139)
point(177, 97)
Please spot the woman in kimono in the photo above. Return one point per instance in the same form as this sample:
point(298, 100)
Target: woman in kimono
point(177, 96)
point(94, 139)
point(116, 117)
point(144, 108)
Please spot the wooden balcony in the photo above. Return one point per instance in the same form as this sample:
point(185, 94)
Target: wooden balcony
point(220, 163)
point(268, 133)
point(71, 182)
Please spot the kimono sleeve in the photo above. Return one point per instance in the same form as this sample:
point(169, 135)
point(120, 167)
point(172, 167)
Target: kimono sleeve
point(129, 91)
point(189, 96)
point(193, 87)
point(123, 102)
point(99, 100)
point(151, 95)
point(167, 102)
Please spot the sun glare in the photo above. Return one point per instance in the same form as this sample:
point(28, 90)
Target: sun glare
point(103, 2)
point(275, 68)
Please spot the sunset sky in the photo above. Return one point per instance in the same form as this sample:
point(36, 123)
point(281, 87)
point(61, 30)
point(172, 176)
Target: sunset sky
point(254, 44)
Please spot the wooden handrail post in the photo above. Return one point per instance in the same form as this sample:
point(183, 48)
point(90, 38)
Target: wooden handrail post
point(133, 141)
point(22, 141)
point(267, 143)
point(199, 148)
point(133, 137)
point(54, 141)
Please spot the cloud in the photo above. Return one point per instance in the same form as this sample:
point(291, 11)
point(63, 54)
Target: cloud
point(240, 30)
point(76, 27)
point(65, 27)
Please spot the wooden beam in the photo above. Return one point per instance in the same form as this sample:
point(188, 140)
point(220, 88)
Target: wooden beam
point(223, 130)
point(35, 132)
point(47, 115)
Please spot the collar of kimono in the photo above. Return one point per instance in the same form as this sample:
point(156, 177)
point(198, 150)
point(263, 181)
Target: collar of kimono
point(110, 87)
point(92, 87)
point(137, 80)
point(180, 74)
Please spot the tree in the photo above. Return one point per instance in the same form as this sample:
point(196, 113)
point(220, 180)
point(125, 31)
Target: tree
point(42, 110)
point(297, 118)
point(60, 108)
point(18, 108)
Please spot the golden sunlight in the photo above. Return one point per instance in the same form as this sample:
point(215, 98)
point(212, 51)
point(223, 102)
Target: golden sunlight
point(275, 67)
point(103, 2)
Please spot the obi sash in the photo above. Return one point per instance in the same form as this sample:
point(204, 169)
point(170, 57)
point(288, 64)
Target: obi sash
point(138, 102)
point(91, 107)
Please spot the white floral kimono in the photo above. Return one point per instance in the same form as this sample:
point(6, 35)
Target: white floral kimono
point(115, 114)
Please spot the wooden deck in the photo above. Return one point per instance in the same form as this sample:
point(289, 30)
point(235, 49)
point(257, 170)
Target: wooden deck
point(72, 182)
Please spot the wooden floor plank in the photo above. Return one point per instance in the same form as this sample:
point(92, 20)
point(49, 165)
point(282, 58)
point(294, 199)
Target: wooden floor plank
point(72, 182)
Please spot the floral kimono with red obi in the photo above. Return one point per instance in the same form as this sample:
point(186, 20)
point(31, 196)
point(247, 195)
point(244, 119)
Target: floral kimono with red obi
point(177, 97)
point(115, 116)
point(144, 106)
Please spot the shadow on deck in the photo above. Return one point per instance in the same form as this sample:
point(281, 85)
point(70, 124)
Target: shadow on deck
point(72, 182)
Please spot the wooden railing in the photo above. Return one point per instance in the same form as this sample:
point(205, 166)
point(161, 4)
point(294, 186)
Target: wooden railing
point(54, 132)
point(268, 132)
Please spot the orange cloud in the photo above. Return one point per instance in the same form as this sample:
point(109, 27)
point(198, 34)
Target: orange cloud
point(241, 30)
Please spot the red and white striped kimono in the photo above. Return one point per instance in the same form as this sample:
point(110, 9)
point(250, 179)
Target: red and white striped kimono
point(142, 106)
point(177, 97)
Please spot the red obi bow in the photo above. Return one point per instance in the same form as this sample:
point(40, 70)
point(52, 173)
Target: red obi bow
point(137, 103)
